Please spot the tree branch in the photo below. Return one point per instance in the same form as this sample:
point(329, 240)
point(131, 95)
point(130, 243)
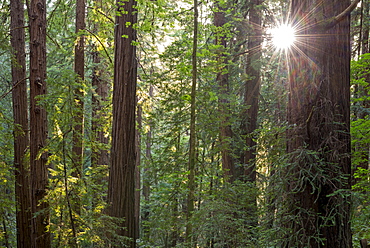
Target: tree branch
point(347, 11)
point(102, 13)
point(334, 21)
point(105, 50)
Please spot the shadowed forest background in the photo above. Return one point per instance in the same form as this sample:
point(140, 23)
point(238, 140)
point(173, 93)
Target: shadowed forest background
point(161, 123)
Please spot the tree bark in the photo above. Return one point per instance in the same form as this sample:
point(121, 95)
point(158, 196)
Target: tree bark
point(139, 120)
point(101, 85)
point(364, 148)
point(78, 125)
point(121, 188)
point(79, 68)
point(100, 156)
point(251, 104)
point(38, 124)
point(21, 134)
point(252, 89)
point(365, 27)
point(146, 173)
point(222, 79)
point(363, 243)
point(192, 139)
point(318, 116)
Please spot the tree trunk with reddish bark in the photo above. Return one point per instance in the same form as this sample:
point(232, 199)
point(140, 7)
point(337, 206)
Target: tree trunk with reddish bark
point(222, 79)
point(252, 89)
point(38, 125)
point(21, 133)
point(79, 68)
point(121, 188)
point(318, 116)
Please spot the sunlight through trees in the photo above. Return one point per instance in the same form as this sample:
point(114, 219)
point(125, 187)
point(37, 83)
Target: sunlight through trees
point(135, 123)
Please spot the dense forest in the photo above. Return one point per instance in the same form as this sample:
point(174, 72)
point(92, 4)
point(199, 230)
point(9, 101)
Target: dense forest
point(188, 123)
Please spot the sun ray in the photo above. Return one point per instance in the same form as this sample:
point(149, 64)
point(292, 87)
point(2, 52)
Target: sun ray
point(283, 36)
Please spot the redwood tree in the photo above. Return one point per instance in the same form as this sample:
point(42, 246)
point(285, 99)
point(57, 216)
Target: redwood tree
point(38, 124)
point(21, 134)
point(363, 47)
point(192, 138)
point(100, 156)
point(121, 188)
point(252, 88)
point(251, 103)
point(79, 68)
point(224, 91)
point(318, 117)
point(365, 29)
point(101, 85)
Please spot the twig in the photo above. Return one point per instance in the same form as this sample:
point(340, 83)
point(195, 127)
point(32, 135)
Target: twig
point(308, 122)
point(73, 227)
point(105, 50)
point(10, 31)
point(14, 86)
point(54, 41)
point(102, 13)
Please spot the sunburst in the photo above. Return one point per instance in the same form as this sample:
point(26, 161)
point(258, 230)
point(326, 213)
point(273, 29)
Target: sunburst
point(283, 36)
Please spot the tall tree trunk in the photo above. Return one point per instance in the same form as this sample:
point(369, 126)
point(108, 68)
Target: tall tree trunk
point(100, 156)
point(5, 233)
point(78, 127)
point(121, 189)
point(318, 116)
point(100, 119)
point(100, 83)
point(224, 91)
point(79, 68)
point(139, 119)
point(38, 124)
point(146, 174)
point(362, 113)
point(21, 134)
point(192, 140)
point(251, 97)
point(365, 27)
point(252, 89)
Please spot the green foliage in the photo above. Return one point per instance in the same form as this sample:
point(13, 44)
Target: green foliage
point(7, 180)
point(361, 206)
point(7, 199)
point(93, 226)
point(222, 216)
point(299, 173)
point(77, 204)
point(224, 207)
point(223, 219)
point(360, 129)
